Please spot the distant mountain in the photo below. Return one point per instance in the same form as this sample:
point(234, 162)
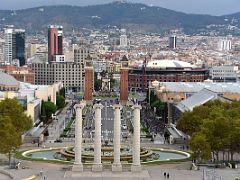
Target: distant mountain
point(128, 15)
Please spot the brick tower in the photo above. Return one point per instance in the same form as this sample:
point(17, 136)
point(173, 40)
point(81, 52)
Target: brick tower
point(124, 80)
point(88, 83)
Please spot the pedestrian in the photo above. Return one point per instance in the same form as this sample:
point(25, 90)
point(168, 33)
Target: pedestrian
point(167, 175)
point(44, 177)
point(164, 174)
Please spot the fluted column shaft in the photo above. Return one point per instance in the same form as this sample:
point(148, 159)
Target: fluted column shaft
point(97, 166)
point(78, 137)
point(136, 166)
point(117, 138)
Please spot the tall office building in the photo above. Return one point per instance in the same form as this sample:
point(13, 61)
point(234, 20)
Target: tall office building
point(173, 42)
point(20, 46)
point(55, 42)
point(14, 47)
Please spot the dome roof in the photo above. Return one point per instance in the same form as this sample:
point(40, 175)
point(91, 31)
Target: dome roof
point(6, 79)
point(163, 64)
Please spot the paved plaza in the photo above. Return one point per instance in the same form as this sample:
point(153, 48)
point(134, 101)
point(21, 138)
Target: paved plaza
point(56, 172)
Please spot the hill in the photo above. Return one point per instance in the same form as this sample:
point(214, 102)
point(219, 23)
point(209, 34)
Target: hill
point(129, 15)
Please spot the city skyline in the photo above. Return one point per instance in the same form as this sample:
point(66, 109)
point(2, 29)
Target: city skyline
point(213, 7)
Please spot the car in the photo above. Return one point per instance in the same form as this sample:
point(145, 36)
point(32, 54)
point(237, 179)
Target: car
point(124, 127)
point(58, 141)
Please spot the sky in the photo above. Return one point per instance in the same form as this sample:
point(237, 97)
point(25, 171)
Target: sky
point(213, 7)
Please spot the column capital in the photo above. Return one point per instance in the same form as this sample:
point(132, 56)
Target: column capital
point(81, 105)
point(117, 106)
point(98, 106)
point(136, 106)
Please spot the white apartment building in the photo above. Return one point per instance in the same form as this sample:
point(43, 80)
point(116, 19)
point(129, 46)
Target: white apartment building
point(224, 73)
point(8, 47)
point(225, 45)
point(80, 53)
point(123, 40)
point(70, 74)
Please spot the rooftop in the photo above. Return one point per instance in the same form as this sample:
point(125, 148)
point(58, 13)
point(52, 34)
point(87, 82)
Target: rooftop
point(197, 99)
point(6, 79)
point(163, 64)
point(193, 87)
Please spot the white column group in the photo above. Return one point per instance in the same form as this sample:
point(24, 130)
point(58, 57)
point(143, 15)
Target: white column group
point(97, 164)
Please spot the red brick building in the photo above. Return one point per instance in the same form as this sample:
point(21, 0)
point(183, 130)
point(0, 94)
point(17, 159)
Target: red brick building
point(124, 80)
point(165, 71)
point(23, 74)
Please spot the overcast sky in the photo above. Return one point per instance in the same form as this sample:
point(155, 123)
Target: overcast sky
point(214, 7)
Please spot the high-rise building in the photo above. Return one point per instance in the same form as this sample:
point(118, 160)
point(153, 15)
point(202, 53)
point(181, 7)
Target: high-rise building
point(1, 51)
point(8, 46)
point(20, 46)
point(173, 42)
point(14, 47)
point(55, 42)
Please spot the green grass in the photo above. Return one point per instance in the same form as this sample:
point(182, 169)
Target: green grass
point(68, 128)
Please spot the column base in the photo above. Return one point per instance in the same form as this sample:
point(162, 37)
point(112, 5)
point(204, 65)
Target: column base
point(77, 168)
point(136, 168)
point(97, 167)
point(117, 167)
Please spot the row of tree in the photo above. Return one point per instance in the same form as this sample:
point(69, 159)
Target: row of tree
point(13, 123)
point(48, 108)
point(214, 127)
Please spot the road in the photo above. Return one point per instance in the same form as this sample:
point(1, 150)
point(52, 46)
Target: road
point(55, 129)
point(107, 122)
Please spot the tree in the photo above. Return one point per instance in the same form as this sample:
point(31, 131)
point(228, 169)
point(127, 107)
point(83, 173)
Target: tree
point(160, 107)
point(50, 109)
point(97, 84)
point(13, 123)
point(14, 110)
point(43, 113)
point(62, 92)
point(10, 138)
point(218, 122)
point(200, 147)
point(60, 101)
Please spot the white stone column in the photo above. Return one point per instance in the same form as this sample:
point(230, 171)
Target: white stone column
point(97, 164)
point(116, 166)
point(136, 165)
point(78, 138)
